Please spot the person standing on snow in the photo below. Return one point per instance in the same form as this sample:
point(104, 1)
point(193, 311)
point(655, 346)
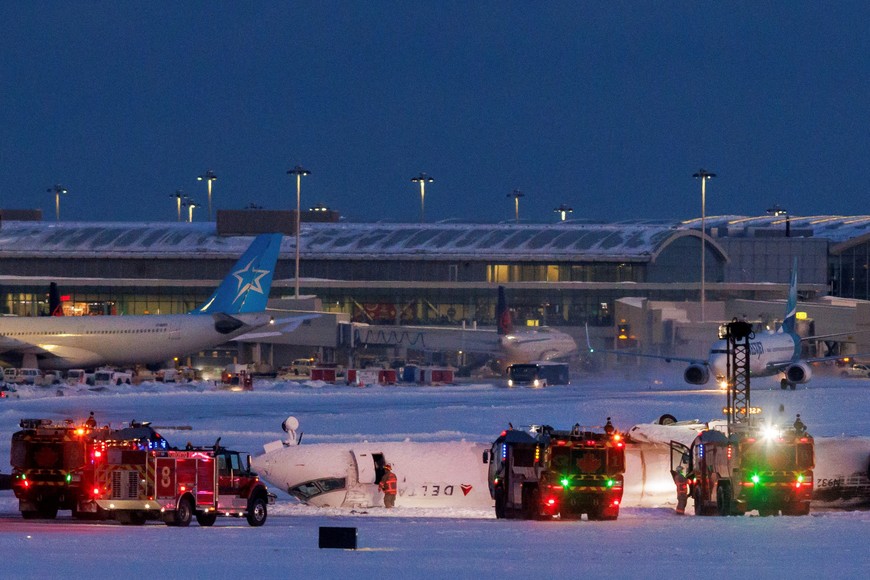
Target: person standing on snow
point(388, 485)
point(682, 483)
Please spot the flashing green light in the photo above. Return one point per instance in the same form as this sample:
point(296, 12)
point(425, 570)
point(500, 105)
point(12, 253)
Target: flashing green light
point(565, 481)
point(610, 483)
point(68, 477)
point(755, 478)
point(800, 478)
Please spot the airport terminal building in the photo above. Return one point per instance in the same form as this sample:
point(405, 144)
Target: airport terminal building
point(569, 273)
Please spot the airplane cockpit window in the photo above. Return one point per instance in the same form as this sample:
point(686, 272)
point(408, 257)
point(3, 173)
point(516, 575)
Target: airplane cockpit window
point(306, 491)
point(332, 484)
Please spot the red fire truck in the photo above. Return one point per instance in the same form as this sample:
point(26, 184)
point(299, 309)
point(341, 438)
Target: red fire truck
point(542, 473)
point(136, 479)
point(48, 467)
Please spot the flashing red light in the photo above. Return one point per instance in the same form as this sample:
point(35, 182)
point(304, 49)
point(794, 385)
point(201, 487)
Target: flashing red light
point(797, 484)
point(26, 483)
point(804, 440)
point(590, 442)
point(183, 488)
point(96, 491)
point(560, 442)
point(503, 433)
point(616, 502)
point(65, 298)
point(98, 453)
point(620, 444)
point(551, 501)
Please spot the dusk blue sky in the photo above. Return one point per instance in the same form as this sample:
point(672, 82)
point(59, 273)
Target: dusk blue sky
point(608, 107)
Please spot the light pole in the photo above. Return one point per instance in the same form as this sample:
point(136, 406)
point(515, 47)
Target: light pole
point(57, 189)
point(208, 177)
point(564, 210)
point(423, 179)
point(190, 206)
point(516, 194)
point(179, 197)
point(777, 211)
point(703, 175)
point(298, 171)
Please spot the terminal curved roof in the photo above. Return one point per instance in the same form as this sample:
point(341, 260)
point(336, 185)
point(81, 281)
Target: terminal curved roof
point(615, 241)
point(640, 240)
point(836, 228)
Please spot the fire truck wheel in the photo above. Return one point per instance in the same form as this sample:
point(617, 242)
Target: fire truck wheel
point(700, 510)
point(206, 519)
point(257, 512)
point(29, 515)
point(499, 504)
point(723, 499)
point(183, 514)
point(783, 384)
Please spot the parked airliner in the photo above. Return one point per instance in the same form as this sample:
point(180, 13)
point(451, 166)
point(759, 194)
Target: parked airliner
point(507, 344)
point(63, 342)
point(770, 353)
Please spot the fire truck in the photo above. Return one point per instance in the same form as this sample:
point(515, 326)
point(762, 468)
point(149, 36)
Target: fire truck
point(543, 473)
point(137, 478)
point(768, 469)
point(752, 465)
point(48, 467)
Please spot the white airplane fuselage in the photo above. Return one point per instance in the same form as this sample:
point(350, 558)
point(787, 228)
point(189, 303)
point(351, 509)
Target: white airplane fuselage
point(89, 341)
point(430, 475)
point(532, 345)
point(765, 352)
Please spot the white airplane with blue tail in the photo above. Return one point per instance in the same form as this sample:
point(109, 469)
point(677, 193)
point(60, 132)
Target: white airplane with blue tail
point(237, 307)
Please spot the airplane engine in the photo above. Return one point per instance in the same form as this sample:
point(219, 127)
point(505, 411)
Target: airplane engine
point(697, 374)
point(798, 373)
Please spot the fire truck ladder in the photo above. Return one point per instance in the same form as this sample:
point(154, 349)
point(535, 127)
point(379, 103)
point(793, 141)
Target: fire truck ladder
point(737, 333)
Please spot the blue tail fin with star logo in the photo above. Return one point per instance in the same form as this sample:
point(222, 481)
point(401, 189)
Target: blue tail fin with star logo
point(246, 287)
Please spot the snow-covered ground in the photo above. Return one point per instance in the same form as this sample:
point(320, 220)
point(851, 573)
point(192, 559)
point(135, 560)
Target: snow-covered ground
point(644, 542)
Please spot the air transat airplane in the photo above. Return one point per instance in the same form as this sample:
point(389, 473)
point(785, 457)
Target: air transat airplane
point(770, 353)
point(63, 342)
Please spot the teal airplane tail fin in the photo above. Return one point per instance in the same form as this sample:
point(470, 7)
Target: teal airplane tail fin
point(788, 322)
point(246, 287)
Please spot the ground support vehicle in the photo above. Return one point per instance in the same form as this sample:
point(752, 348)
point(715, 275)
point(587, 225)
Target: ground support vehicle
point(762, 468)
point(538, 374)
point(136, 482)
point(237, 377)
point(543, 473)
point(49, 468)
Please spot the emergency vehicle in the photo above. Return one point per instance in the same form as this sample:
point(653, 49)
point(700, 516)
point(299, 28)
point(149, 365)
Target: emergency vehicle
point(48, 467)
point(137, 477)
point(752, 464)
point(763, 468)
point(542, 473)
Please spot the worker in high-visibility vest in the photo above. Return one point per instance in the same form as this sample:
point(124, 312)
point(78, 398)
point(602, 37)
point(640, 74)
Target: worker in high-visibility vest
point(388, 486)
point(682, 483)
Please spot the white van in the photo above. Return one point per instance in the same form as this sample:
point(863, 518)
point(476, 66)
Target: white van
point(76, 377)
